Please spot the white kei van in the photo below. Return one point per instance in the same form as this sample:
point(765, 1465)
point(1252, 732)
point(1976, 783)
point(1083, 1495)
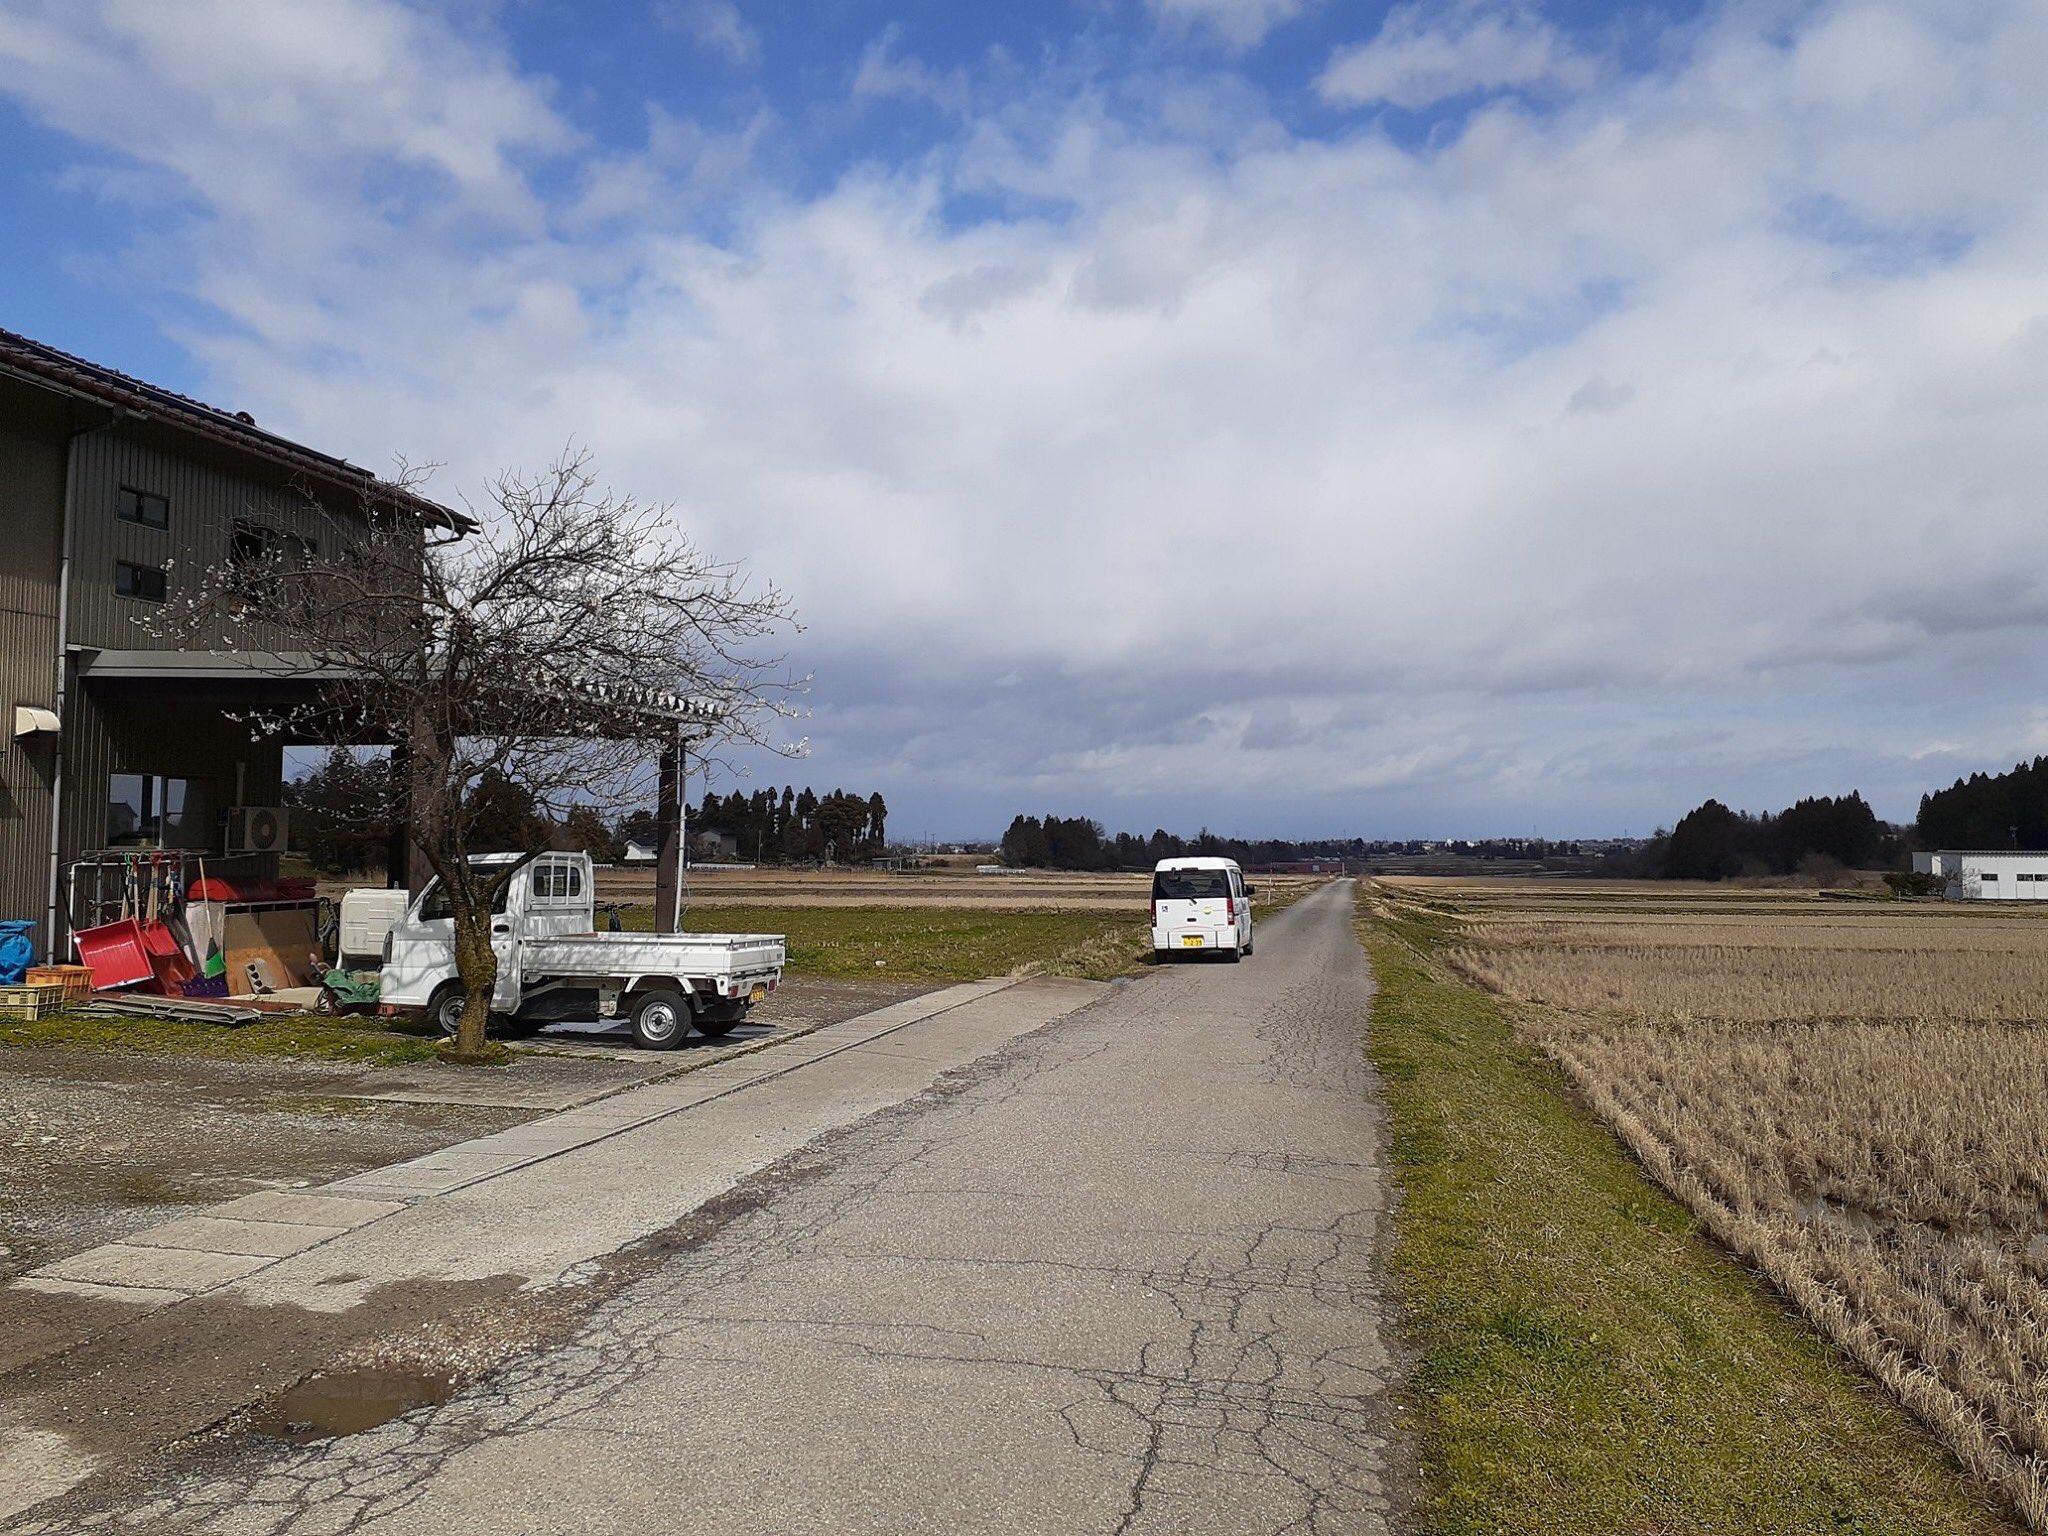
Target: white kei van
point(1200, 906)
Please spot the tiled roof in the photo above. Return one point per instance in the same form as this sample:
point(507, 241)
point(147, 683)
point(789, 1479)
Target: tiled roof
point(26, 358)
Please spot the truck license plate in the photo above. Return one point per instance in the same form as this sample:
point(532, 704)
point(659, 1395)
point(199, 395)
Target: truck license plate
point(759, 992)
point(1191, 940)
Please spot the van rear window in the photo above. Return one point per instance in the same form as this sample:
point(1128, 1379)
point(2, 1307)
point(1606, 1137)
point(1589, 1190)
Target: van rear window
point(1190, 884)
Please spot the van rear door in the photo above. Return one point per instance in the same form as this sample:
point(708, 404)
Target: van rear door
point(1190, 904)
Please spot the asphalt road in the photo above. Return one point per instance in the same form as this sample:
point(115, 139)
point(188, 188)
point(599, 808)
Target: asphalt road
point(1118, 1276)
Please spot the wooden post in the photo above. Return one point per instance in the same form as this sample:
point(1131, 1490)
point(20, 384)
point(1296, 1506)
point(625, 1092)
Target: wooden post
point(669, 822)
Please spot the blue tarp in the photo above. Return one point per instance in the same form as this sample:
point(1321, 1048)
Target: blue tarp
point(17, 951)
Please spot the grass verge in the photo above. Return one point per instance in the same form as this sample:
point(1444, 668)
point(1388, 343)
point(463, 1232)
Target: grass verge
point(916, 944)
point(936, 944)
point(368, 1042)
point(1586, 1362)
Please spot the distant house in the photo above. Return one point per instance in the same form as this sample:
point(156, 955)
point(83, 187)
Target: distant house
point(641, 853)
point(1987, 875)
point(715, 843)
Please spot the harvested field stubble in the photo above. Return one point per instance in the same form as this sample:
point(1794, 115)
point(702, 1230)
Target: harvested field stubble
point(1853, 1100)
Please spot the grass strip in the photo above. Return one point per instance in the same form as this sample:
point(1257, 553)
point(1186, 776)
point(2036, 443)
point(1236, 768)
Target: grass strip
point(357, 1041)
point(1586, 1362)
point(911, 943)
point(940, 944)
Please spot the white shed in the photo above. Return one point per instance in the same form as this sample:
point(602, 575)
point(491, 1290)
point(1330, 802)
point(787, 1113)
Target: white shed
point(1988, 875)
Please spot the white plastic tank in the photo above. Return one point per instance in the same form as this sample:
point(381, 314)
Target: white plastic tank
point(367, 915)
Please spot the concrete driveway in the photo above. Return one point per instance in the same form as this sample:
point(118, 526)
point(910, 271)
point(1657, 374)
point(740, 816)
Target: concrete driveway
point(1118, 1275)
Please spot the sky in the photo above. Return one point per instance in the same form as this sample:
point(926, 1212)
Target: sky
point(1283, 416)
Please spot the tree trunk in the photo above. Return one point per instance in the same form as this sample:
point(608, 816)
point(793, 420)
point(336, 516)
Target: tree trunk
point(476, 965)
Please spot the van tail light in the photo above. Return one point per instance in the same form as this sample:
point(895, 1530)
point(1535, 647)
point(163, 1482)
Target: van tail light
point(1230, 908)
point(1155, 914)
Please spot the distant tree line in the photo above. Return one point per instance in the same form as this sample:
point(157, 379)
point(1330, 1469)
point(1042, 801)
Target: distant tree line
point(340, 820)
point(1530, 848)
point(1815, 836)
point(799, 826)
point(1712, 842)
point(2005, 810)
point(1055, 842)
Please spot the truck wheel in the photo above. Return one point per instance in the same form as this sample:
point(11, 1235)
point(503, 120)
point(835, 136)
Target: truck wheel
point(1233, 954)
point(660, 1020)
point(445, 1011)
point(445, 1007)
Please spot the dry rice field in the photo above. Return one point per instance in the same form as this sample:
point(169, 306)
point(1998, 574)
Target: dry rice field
point(1852, 1096)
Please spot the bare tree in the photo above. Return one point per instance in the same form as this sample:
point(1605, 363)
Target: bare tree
point(558, 637)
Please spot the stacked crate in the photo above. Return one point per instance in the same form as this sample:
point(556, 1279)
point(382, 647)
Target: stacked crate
point(76, 980)
point(31, 1001)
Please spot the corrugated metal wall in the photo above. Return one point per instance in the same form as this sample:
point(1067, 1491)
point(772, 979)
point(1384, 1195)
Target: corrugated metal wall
point(31, 503)
point(130, 727)
point(113, 726)
point(205, 502)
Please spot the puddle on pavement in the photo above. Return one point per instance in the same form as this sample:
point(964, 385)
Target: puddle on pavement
point(333, 1403)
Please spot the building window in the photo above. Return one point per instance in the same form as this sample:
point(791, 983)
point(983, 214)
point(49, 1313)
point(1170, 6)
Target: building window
point(259, 541)
point(1989, 878)
point(148, 810)
point(141, 581)
point(144, 507)
point(249, 542)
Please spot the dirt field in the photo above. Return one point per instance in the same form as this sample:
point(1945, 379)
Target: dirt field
point(1847, 1094)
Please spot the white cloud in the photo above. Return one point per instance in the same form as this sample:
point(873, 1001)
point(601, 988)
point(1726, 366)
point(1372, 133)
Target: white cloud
point(1239, 23)
point(1680, 439)
point(883, 73)
point(716, 25)
point(1426, 53)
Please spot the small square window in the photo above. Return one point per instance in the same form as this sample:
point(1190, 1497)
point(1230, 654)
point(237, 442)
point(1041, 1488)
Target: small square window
point(151, 511)
point(143, 581)
point(250, 542)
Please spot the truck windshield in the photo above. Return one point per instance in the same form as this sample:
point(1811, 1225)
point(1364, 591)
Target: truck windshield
point(1190, 884)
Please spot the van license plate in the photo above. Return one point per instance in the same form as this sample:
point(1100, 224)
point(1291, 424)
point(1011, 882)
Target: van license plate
point(1191, 940)
point(758, 993)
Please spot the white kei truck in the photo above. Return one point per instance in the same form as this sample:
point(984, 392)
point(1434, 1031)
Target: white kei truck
point(553, 964)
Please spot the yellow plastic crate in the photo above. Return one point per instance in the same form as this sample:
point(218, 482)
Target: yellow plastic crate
point(76, 980)
point(31, 1002)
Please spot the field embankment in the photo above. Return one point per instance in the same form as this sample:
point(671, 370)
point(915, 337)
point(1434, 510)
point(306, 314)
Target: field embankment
point(1586, 1362)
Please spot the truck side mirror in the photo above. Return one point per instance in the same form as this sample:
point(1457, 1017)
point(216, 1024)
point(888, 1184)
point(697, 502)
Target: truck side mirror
point(1251, 890)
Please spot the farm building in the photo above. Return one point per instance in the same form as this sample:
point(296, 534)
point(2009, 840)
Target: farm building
point(124, 752)
point(121, 745)
point(1986, 875)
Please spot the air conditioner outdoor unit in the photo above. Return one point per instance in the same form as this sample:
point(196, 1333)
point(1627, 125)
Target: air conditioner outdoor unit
point(256, 829)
